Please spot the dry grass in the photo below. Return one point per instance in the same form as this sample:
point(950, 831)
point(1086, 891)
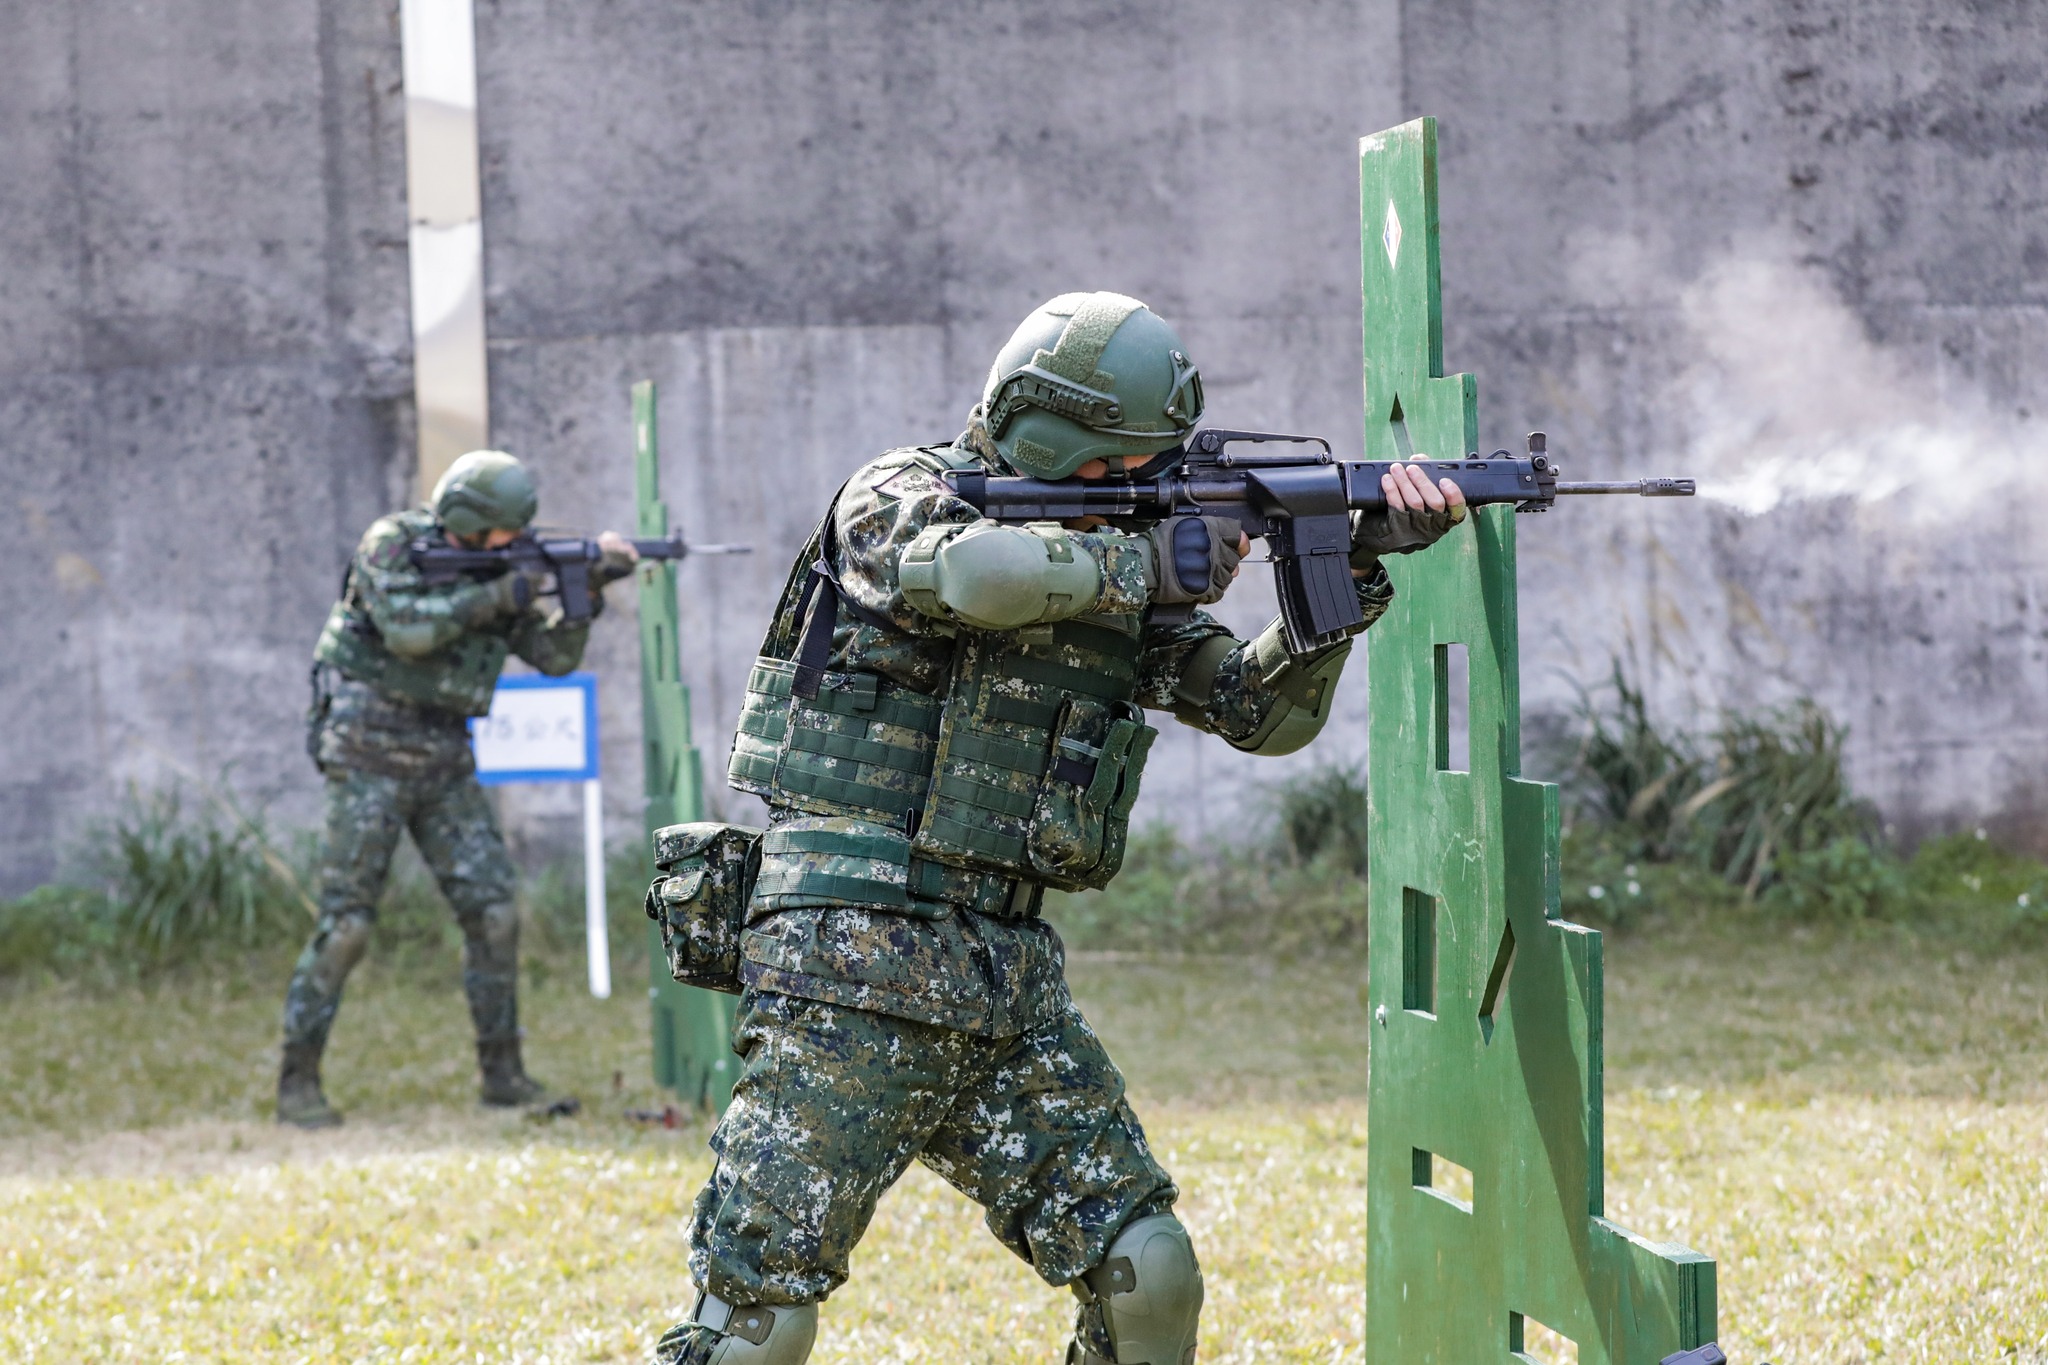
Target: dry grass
point(1856, 1126)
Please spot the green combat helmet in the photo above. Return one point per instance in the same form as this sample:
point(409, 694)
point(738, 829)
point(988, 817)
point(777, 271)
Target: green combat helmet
point(1088, 377)
point(485, 490)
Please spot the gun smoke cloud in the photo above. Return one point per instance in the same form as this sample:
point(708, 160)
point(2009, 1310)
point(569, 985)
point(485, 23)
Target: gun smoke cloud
point(1788, 400)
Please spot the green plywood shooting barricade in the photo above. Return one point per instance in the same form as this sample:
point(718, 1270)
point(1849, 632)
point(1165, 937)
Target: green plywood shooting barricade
point(692, 1027)
point(1485, 1207)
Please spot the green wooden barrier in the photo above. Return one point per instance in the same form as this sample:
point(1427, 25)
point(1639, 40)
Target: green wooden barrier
point(692, 1027)
point(1484, 1204)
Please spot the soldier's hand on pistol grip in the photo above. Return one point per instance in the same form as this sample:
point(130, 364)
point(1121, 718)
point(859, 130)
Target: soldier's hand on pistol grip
point(1195, 558)
point(513, 592)
point(1419, 511)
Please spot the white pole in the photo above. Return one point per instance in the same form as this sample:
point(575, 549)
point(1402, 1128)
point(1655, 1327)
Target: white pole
point(593, 891)
point(444, 204)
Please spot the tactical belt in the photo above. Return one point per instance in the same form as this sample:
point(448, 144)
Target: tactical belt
point(814, 861)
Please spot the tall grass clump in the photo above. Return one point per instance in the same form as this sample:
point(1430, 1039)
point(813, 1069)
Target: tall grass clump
point(1761, 802)
point(1323, 816)
point(179, 880)
point(162, 879)
point(1632, 775)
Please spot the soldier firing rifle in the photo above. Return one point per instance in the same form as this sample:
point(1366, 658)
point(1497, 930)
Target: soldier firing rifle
point(1301, 502)
point(548, 564)
point(434, 600)
point(949, 716)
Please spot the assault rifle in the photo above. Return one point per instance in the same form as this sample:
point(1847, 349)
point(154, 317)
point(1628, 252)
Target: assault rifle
point(1299, 502)
point(566, 561)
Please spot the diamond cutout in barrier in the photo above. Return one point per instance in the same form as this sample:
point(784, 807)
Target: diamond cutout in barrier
point(1390, 236)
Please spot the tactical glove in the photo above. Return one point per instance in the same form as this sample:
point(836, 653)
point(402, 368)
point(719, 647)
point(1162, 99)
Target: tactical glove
point(512, 592)
point(611, 566)
point(1384, 531)
point(1194, 558)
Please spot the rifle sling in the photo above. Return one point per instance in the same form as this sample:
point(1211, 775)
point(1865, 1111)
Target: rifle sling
point(819, 606)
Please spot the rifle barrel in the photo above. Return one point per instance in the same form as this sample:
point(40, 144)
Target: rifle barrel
point(1642, 488)
point(674, 547)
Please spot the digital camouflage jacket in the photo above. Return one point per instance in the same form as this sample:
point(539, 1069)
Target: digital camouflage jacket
point(991, 973)
point(426, 658)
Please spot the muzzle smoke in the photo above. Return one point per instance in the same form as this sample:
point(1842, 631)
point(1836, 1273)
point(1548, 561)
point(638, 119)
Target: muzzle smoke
point(1788, 400)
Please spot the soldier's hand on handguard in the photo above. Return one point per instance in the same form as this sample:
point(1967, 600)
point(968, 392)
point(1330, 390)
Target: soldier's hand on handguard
point(1195, 558)
point(618, 561)
point(1419, 512)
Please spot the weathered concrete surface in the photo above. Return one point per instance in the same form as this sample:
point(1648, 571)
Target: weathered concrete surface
point(829, 217)
point(814, 223)
point(202, 386)
point(1880, 169)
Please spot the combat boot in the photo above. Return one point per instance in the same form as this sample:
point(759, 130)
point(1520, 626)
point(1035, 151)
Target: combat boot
point(506, 1084)
point(299, 1101)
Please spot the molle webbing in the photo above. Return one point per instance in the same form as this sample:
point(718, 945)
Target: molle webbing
point(836, 860)
point(862, 746)
point(841, 860)
point(1007, 698)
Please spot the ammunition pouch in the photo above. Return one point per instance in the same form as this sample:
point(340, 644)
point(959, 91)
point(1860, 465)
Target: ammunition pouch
point(700, 900)
point(862, 746)
point(1081, 819)
point(1039, 754)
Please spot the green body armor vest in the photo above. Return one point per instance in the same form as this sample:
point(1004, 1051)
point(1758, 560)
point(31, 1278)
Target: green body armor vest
point(1022, 772)
point(459, 677)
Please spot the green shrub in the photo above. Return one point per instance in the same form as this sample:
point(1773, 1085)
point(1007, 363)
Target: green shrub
point(1967, 874)
point(1845, 878)
point(1778, 791)
point(1761, 800)
point(1629, 775)
point(179, 881)
point(55, 929)
point(1604, 881)
point(1323, 815)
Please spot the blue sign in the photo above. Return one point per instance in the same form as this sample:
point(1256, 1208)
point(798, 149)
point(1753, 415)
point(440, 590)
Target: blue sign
point(540, 729)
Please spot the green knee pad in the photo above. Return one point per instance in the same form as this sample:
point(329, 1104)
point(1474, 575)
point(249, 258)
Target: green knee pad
point(766, 1334)
point(1149, 1289)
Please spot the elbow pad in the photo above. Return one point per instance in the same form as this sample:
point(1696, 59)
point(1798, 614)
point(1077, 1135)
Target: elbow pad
point(995, 577)
point(412, 640)
point(1305, 688)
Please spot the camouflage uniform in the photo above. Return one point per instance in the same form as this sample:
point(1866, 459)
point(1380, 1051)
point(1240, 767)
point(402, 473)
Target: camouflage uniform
point(932, 1022)
point(399, 670)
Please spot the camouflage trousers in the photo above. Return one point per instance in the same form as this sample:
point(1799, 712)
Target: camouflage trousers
point(835, 1103)
point(452, 825)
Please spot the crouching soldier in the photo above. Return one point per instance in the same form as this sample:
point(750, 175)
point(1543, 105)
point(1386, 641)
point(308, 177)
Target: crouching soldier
point(948, 717)
point(400, 668)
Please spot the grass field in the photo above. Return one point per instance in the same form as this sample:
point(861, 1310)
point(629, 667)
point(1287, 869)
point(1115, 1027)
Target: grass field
point(1855, 1123)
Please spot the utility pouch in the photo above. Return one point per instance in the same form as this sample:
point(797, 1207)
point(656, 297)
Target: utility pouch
point(701, 899)
point(1081, 819)
point(857, 744)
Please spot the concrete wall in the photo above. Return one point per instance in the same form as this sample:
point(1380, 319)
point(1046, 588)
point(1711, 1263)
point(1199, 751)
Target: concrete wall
point(203, 386)
point(1682, 237)
point(1733, 239)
